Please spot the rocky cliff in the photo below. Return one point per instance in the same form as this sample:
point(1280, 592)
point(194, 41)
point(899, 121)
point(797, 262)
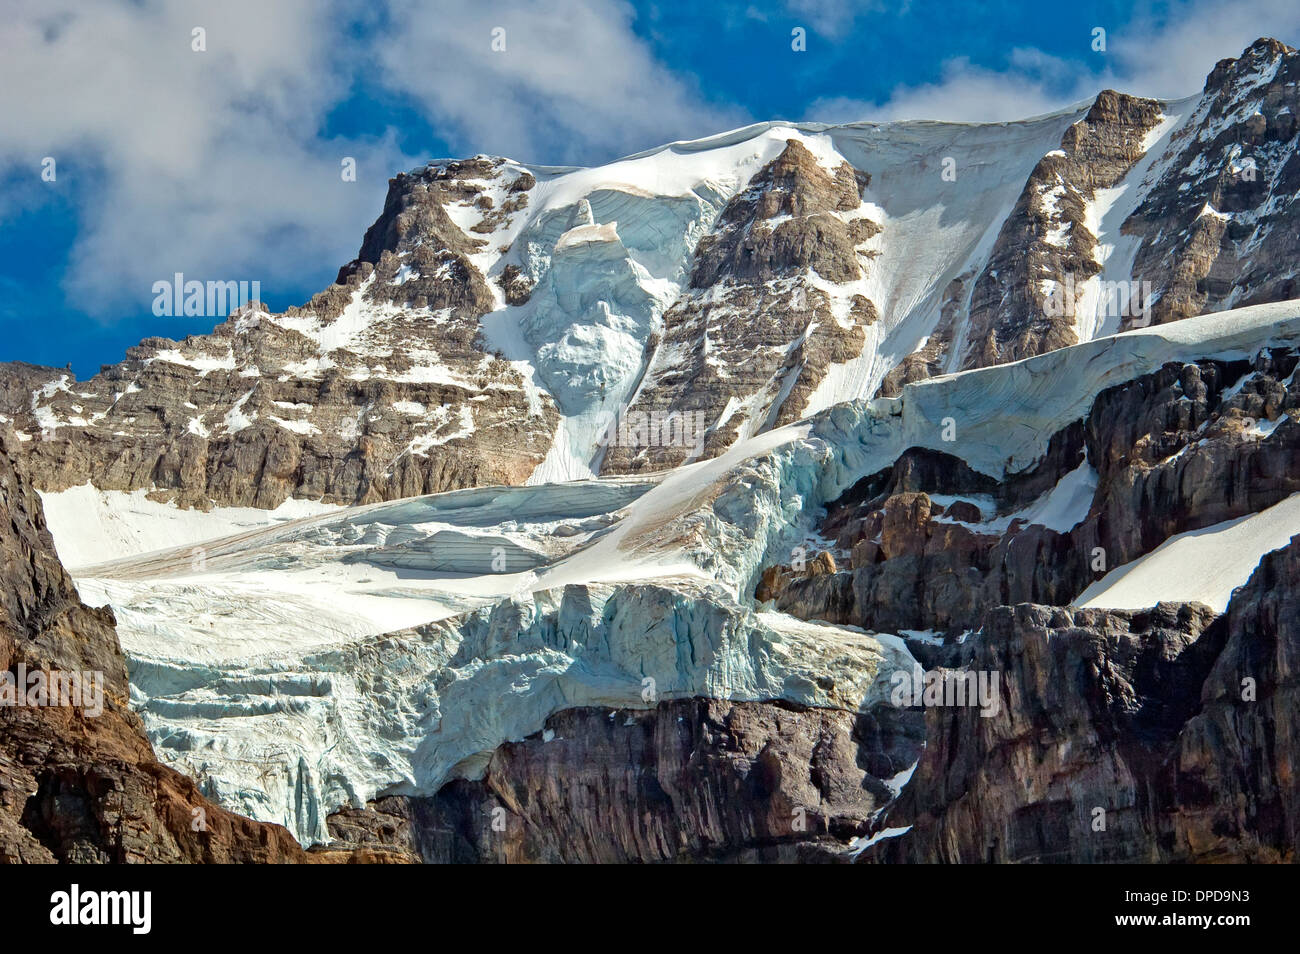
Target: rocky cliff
point(691, 780)
point(1165, 735)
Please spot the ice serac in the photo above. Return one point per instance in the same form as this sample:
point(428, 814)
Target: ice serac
point(405, 712)
point(590, 315)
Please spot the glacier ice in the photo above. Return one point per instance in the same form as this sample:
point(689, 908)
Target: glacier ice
point(289, 738)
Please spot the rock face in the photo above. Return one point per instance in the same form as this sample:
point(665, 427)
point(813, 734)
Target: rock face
point(1232, 774)
point(1118, 737)
point(1176, 450)
point(1047, 237)
point(692, 780)
point(79, 782)
point(1212, 226)
point(1219, 228)
point(377, 388)
point(1164, 735)
point(773, 302)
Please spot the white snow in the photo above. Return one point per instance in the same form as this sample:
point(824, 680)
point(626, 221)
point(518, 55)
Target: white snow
point(1203, 566)
point(933, 231)
point(858, 845)
point(1061, 509)
point(236, 420)
point(298, 427)
point(203, 363)
point(94, 526)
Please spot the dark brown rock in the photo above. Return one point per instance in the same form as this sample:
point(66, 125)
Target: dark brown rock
point(1165, 735)
point(691, 780)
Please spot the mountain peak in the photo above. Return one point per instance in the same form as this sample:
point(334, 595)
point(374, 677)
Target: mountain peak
point(1264, 50)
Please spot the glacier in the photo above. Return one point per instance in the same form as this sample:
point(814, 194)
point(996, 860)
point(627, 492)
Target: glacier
point(304, 665)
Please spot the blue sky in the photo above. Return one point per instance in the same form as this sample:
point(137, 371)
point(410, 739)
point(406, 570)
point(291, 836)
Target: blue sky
point(223, 163)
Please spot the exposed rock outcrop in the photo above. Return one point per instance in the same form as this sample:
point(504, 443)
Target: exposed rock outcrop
point(1182, 448)
point(1047, 236)
point(1219, 228)
point(772, 304)
point(1163, 735)
point(692, 780)
point(488, 324)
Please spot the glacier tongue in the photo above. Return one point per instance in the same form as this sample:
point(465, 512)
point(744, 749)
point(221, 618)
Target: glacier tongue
point(290, 738)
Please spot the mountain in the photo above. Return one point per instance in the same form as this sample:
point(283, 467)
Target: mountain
point(355, 673)
point(498, 317)
point(604, 514)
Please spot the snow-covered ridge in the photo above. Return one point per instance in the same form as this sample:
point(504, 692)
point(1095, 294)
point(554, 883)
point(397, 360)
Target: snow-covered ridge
point(766, 494)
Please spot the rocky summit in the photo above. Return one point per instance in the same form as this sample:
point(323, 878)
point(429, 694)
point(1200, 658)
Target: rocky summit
point(869, 493)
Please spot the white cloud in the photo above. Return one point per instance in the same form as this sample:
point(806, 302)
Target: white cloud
point(1164, 54)
point(574, 83)
point(202, 162)
point(831, 18)
point(965, 93)
point(212, 163)
point(1169, 55)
